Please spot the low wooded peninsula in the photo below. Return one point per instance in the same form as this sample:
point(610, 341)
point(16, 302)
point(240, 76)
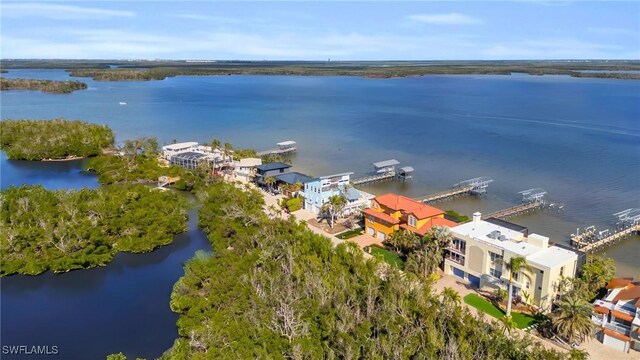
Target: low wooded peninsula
point(48, 86)
point(271, 288)
point(64, 230)
point(57, 139)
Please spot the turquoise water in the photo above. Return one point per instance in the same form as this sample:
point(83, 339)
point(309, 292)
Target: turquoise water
point(579, 139)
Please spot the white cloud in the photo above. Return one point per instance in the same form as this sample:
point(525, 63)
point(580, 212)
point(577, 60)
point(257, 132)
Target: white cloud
point(445, 19)
point(58, 11)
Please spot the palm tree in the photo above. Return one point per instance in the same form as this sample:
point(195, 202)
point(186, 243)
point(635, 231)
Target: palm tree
point(335, 204)
point(572, 319)
point(270, 181)
point(450, 297)
point(403, 241)
point(514, 265)
point(227, 151)
point(215, 144)
point(507, 324)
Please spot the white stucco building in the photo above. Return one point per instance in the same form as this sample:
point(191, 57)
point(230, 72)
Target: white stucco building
point(481, 247)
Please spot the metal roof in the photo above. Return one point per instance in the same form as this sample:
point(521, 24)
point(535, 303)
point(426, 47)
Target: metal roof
point(385, 163)
point(273, 166)
point(406, 169)
point(293, 177)
point(286, 143)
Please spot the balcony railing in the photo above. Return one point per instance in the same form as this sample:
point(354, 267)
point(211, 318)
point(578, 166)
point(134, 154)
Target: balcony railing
point(455, 260)
point(597, 320)
point(462, 251)
point(620, 329)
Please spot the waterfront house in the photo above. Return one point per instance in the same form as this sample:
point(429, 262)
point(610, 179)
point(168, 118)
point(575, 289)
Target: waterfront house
point(617, 315)
point(246, 168)
point(170, 150)
point(318, 191)
point(480, 249)
point(391, 212)
point(271, 169)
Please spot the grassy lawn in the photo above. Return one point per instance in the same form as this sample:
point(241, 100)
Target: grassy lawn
point(521, 320)
point(349, 234)
point(389, 257)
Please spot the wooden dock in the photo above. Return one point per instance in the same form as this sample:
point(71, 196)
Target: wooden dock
point(284, 147)
point(447, 194)
point(276, 151)
point(581, 243)
point(374, 178)
point(166, 180)
point(516, 210)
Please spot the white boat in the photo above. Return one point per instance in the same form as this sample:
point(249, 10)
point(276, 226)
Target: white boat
point(123, 103)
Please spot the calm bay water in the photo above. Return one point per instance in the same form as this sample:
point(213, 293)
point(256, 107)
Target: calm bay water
point(579, 139)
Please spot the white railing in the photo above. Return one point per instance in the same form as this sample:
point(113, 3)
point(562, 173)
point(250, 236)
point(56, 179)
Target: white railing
point(621, 329)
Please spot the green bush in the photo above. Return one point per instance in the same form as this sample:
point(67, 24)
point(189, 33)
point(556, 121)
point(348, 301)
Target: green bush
point(294, 204)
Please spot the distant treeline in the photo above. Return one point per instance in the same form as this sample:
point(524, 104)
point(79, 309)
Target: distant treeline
point(159, 71)
point(53, 139)
point(63, 230)
point(49, 86)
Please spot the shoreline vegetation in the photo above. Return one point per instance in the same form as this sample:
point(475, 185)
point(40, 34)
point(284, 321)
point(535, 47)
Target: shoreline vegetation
point(47, 86)
point(64, 230)
point(104, 70)
point(53, 140)
point(272, 288)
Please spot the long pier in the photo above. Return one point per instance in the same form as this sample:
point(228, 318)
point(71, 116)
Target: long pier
point(475, 186)
point(374, 178)
point(447, 194)
point(532, 200)
point(515, 210)
point(284, 147)
point(592, 239)
point(583, 244)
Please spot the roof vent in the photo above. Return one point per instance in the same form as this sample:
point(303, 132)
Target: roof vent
point(502, 238)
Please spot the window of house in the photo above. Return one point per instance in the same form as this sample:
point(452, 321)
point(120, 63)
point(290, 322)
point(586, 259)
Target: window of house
point(497, 273)
point(562, 271)
point(515, 276)
point(494, 256)
point(371, 218)
point(412, 221)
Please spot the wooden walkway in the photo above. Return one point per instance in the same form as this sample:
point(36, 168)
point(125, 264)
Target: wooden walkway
point(446, 194)
point(587, 247)
point(373, 178)
point(276, 151)
point(515, 210)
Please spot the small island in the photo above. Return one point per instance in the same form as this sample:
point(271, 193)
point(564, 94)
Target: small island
point(64, 230)
point(48, 86)
point(53, 139)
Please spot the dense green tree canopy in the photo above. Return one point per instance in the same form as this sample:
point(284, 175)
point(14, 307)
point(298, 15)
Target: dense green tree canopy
point(49, 86)
point(53, 139)
point(64, 230)
point(273, 289)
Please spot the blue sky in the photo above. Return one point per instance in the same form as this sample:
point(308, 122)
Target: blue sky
point(320, 30)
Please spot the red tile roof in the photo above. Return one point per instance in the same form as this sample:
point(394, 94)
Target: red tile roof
point(381, 215)
point(397, 202)
point(601, 309)
point(630, 293)
point(433, 222)
point(621, 315)
point(616, 335)
point(619, 282)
